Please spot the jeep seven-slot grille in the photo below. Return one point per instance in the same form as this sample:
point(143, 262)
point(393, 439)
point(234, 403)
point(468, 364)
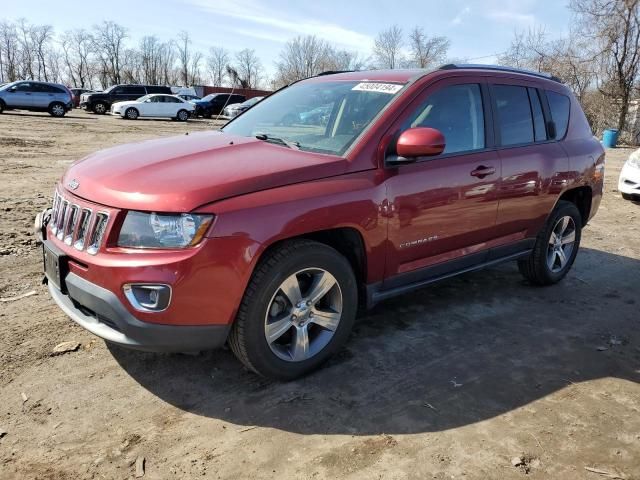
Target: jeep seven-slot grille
point(77, 225)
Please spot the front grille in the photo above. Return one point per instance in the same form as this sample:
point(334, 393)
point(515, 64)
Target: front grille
point(78, 226)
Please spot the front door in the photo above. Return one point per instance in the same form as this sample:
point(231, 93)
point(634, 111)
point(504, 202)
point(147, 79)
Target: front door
point(21, 95)
point(444, 208)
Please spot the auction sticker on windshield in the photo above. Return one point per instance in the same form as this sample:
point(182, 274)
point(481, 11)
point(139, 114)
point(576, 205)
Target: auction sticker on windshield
point(390, 88)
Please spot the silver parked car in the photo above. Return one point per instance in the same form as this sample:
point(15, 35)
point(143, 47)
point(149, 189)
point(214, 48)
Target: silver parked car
point(36, 96)
point(236, 109)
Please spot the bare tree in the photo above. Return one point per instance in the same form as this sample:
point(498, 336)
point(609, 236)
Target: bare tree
point(427, 52)
point(387, 48)
point(183, 45)
point(41, 37)
point(613, 28)
point(217, 62)
point(9, 52)
point(194, 69)
point(565, 58)
point(108, 43)
point(248, 67)
point(26, 49)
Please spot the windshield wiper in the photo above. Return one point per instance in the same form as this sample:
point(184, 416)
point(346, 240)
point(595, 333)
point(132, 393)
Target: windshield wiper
point(278, 140)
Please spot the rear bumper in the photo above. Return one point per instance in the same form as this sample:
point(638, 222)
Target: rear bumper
point(100, 311)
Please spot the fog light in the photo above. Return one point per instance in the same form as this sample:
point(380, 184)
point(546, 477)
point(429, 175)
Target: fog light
point(148, 297)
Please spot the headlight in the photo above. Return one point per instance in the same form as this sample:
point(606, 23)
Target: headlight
point(163, 230)
point(634, 159)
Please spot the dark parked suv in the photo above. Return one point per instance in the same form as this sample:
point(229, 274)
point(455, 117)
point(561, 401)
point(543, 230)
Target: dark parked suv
point(100, 102)
point(37, 97)
point(215, 103)
point(269, 234)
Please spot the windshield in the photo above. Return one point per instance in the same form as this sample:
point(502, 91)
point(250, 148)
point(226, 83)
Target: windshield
point(323, 117)
point(142, 99)
point(8, 85)
point(209, 97)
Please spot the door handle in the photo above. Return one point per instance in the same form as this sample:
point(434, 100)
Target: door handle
point(482, 171)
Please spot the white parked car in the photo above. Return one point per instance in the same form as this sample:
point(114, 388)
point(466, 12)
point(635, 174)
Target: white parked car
point(154, 105)
point(629, 183)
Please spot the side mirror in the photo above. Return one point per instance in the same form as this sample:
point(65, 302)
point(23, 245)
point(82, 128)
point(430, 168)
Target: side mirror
point(418, 142)
point(12, 89)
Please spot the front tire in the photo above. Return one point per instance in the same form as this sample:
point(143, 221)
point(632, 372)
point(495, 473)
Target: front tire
point(297, 310)
point(556, 246)
point(1, 106)
point(56, 109)
point(131, 113)
point(182, 116)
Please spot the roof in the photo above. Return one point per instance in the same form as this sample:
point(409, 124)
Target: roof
point(399, 75)
point(407, 75)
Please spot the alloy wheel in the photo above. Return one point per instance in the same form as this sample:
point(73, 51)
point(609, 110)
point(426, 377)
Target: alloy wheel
point(57, 110)
point(561, 244)
point(100, 108)
point(303, 314)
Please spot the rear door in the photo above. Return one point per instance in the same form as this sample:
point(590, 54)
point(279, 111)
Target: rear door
point(444, 208)
point(534, 166)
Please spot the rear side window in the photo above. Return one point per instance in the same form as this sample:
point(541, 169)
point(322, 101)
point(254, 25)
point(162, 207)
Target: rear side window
point(133, 91)
point(560, 105)
point(514, 114)
point(457, 112)
point(539, 128)
point(158, 89)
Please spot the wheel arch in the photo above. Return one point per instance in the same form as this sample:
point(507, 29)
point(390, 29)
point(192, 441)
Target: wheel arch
point(348, 241)
point(581, 197)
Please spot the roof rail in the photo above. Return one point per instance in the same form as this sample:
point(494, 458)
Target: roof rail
point(499, 68)
point(333, 72)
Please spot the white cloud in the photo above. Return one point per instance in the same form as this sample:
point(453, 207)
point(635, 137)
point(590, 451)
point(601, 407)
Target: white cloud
point(511, 17)
point(280, 27)
point(457, 20)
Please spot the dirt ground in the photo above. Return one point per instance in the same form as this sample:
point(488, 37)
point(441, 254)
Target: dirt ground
point(454, 381)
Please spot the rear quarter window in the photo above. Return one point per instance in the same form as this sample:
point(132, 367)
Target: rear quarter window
point(560, 106)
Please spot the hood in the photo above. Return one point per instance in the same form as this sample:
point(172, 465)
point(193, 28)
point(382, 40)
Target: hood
point(179, 174)
point(126, 103)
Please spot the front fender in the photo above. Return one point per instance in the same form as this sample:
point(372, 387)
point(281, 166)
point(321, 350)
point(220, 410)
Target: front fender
point(266, 217)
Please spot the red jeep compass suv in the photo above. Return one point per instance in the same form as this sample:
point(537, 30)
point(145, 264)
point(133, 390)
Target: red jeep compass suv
point(270, 233)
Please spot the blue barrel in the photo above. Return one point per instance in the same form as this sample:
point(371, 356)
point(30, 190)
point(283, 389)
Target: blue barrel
point(610, 138)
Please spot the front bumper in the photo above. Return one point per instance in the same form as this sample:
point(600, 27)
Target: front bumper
point(100, 311)
point(629, 182)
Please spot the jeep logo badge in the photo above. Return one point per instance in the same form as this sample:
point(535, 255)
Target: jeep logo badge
point(73, 184)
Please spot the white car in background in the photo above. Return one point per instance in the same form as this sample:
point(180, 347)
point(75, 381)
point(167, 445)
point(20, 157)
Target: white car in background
point(154, 105)
point(629, 183)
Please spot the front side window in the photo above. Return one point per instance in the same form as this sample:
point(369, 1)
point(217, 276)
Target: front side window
point(560, 106)
point(457, 112)
point(324, 117)
point(25, 87)
point(515, 122)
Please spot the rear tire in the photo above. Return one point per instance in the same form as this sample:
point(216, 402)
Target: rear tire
point(100, 108)
point(56, 109)
point(131, 113)
point(182, 116)
point(286, 335)
point(1, 106)
point(556, 246)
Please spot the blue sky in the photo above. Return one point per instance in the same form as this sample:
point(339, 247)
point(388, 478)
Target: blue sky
point(477, 28)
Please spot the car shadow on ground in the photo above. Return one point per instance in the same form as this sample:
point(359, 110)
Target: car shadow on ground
point(452, 354)
point(46, 115)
